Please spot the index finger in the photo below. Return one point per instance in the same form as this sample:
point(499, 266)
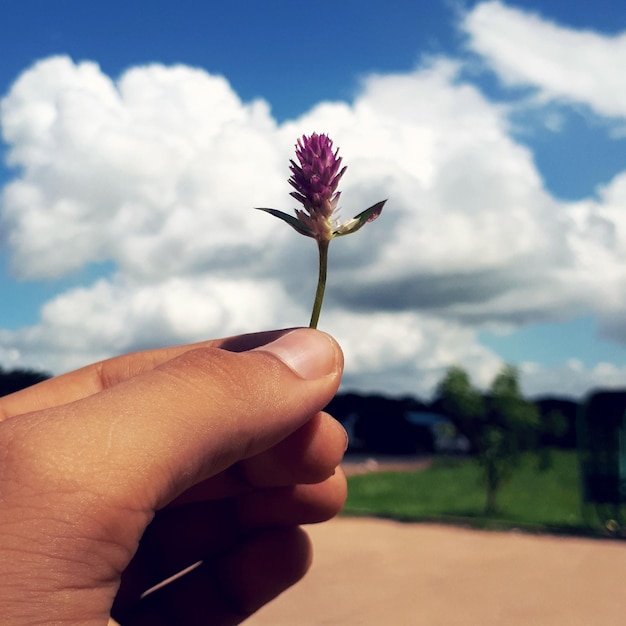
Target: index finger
point(93, 378)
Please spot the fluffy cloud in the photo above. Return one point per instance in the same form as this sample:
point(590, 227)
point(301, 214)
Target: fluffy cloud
point(525, 49)
point(571, 377)
point(114, 316)
point(156, 174)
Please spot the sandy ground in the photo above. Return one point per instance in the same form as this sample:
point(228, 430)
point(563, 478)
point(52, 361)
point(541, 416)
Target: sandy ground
point(376, 572)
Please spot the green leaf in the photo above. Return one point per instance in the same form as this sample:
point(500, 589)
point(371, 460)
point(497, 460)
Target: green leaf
point(294, 222)
point(369, 215)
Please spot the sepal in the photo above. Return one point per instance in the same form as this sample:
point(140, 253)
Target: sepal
point(369, 215)
point(294, 222)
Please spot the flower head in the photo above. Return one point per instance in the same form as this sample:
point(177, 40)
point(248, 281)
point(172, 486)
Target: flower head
point(315, 180)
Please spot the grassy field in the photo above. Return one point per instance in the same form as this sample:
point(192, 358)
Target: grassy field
point(451, 490)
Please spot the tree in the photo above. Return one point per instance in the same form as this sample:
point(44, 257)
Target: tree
point(558, 416)
point(382, 428)
point(16, 379)
point(499, 425)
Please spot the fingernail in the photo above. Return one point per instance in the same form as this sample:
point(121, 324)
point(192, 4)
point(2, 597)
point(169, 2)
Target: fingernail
point(309, 353)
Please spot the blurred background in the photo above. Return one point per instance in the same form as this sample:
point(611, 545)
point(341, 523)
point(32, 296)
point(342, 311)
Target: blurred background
point(138, 137)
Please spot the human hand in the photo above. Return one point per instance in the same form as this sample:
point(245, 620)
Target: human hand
point(119, 475)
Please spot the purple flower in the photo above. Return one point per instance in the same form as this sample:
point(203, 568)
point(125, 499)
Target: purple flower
point(315, 181)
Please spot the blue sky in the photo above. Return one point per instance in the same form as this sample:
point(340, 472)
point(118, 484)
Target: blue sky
point(567, 145)
point(289, 53)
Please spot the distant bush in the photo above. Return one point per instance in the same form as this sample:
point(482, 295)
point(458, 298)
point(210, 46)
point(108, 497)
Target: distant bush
point(16, 379)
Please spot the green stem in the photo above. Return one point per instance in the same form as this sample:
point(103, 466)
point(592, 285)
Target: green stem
point(322, 246)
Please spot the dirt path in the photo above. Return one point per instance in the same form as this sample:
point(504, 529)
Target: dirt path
point(366, 465)
point(373, 572)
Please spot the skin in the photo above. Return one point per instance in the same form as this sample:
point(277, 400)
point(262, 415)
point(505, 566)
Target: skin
point(121, 474)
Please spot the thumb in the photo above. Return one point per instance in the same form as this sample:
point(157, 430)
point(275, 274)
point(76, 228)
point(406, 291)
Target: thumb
point(147, 439)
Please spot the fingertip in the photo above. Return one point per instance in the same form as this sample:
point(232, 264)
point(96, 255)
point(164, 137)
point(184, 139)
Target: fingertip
point(311, 354)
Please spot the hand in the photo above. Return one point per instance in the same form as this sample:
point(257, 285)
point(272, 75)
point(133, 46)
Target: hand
point(119, 475)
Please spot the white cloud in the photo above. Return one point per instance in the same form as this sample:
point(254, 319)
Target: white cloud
point(571, 378)
point(116, 316)
point(157, 174)
point(573, 65)
point(401, 353)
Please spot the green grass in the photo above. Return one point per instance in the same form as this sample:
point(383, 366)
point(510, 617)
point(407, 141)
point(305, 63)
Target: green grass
point(452, 490)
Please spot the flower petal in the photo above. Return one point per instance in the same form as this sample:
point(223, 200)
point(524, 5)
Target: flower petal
point(369, 215)
point(294, 222)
